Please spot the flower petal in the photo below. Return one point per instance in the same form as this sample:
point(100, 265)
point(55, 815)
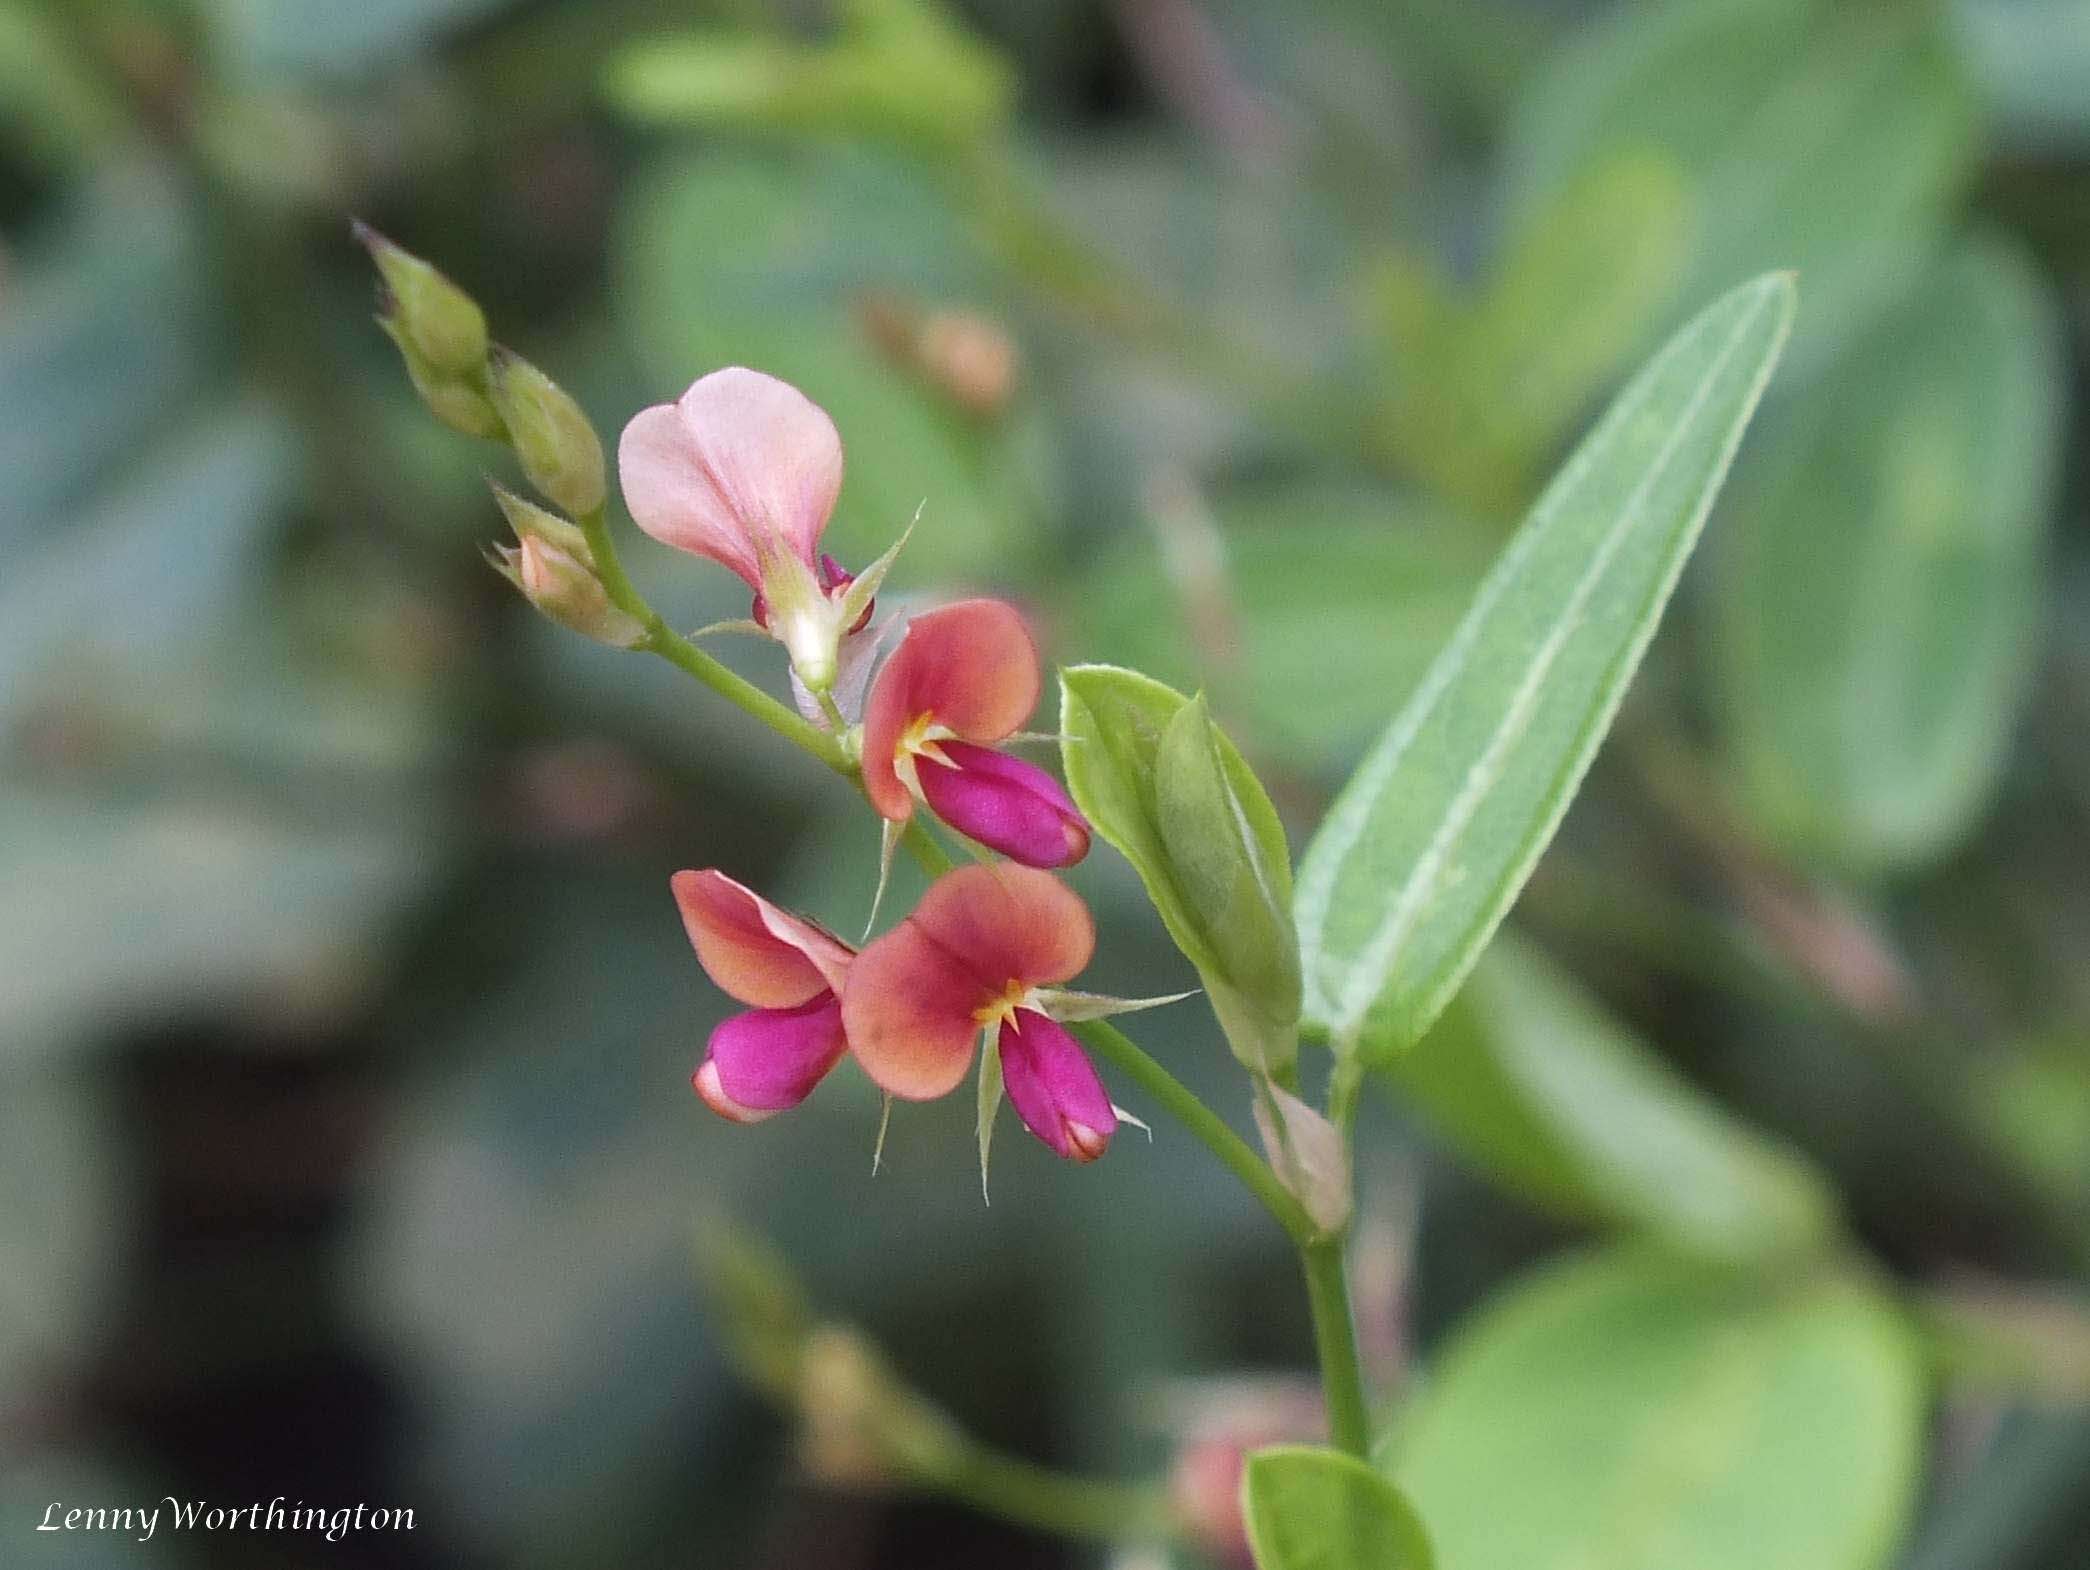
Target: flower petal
point(1008, 925)
point(971, 666)
point(1005, 803)
point(1054, 1088)
point(741, 459)
point(758, 953)
point(768, 1059)
point(909, 1011)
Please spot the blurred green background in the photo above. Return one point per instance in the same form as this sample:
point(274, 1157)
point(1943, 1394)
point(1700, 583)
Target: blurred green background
point(346, 1151)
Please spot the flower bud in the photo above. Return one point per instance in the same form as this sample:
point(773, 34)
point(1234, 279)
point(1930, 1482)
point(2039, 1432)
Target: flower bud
point(528, 519)
point(863, 1428)
point(428, 315)
point(553, 439)
point(460, 403)
point(564, 587)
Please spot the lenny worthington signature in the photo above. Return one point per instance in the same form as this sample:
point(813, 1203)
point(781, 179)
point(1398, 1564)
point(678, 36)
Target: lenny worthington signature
point(334, 1522)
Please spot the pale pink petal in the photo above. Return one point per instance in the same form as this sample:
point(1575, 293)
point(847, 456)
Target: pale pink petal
point(758, 953)
point(670, 496)
point(745, 459)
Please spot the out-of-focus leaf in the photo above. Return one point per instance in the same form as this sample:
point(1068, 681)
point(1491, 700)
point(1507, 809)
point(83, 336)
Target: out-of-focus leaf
point(1880, 593)
point(2020, 1343)
point(1434, 835)
point(60, 1233)
point(103, 335)
point(1830, 140)
point(110, 909)
point(2031, 61)
point(1288, 582)
point(1312, 1509)
point(269, 39)
point(1487, 387)
point(51, 103)
point(903, 69)
point(1260, 254)
point(156, 558)
point(1643, 1414)
point(1532, 1079)
point(733, 258)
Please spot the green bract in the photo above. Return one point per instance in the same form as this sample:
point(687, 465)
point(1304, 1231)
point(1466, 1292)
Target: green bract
point(1162, 783)
point(1436, 832)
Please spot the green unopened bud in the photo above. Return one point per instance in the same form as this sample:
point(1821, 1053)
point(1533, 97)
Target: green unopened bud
point(566, 589)
point(529, 520)
point(428, 314)
point(554, 441)
point(460, 403)
point(1228, 857)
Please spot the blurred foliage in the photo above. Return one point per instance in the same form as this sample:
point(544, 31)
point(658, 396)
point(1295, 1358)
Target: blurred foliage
point(342, 1009)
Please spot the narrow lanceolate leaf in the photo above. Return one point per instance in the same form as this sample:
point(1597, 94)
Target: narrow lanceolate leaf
point(1430, 841)
point(1313, 1509)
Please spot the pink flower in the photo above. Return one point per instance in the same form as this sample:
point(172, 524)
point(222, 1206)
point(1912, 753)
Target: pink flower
point(972, 959)
point(744, 469)
point(789, 972)
point(965, 676)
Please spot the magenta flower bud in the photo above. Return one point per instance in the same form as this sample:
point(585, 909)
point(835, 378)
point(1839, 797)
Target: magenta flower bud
point(1005, 803)
point(1053, 1086)
point(767, 1061)
point(789, 971)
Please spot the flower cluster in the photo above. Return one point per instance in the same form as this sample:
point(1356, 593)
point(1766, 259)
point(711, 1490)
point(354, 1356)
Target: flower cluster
point(745, 470)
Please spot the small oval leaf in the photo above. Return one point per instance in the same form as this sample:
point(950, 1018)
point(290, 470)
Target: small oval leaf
point(1434, 835)
point(1646, 1414)
point(1314, 1509)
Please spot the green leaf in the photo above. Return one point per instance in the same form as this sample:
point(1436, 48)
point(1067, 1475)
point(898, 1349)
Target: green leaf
point(1286, 573)
point(1534, 1081)
point(1834, 141)
point(1163, 785)
point(1488, 387)
point(1428, 844)
point(740, 259)
point(1879, 600)
point(1314, 1509)
point(1643, 1414)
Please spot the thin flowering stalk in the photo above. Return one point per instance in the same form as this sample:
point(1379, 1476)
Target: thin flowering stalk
point(1321, 1257)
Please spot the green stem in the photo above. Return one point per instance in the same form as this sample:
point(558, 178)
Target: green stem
point(663, 640)
point(1008, 1486)
point(1119, 1050)
point(1335, 1338)
point(1017, 1490)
